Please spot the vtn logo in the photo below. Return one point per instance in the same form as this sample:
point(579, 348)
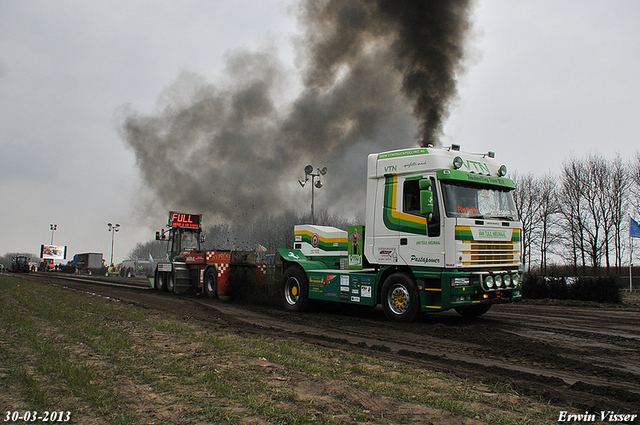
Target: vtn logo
point(479, 167)
point(391, 168)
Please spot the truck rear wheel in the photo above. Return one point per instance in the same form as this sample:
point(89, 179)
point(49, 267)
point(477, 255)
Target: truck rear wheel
point(400, 298)
point(211, 283)
point(294, 292)
point(474, 310)
point(159, 282)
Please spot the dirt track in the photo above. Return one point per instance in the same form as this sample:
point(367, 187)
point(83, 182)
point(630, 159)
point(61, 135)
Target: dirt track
point(585, 357)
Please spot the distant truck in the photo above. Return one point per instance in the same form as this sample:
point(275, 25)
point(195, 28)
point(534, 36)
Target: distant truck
point(89, 263)
point(20, 264)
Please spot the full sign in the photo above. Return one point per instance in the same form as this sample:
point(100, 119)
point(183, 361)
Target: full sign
point(185, 220)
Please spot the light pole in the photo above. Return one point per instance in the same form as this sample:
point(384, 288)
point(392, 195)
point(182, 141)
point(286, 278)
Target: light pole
point(113, 228)
point(308, 171)
point(53, 228)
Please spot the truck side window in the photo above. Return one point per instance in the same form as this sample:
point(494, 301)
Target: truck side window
point(411, 197)
point(433, 225)
point(411, 204)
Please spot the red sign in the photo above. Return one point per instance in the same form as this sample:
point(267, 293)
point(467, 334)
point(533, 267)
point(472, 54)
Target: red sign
point(185, 220)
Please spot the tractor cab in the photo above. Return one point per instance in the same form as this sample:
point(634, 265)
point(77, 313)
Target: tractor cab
point(185, 240)
point(184, 234)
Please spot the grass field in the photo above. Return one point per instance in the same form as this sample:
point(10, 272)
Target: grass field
point(107, 362)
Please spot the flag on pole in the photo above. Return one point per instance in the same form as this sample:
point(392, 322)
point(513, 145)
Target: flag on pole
point(634, 229)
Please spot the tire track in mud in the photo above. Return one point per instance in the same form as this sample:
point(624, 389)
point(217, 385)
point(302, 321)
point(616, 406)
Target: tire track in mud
point(433, 349)
point(574, 356)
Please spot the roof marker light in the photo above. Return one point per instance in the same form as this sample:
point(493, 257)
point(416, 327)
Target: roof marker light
point(502, 171)
point(457, 162)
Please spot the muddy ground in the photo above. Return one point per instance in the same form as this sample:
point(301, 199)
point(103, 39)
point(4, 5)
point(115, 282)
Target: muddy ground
point(582, 356)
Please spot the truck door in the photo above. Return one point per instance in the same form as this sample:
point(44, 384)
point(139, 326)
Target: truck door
point(420, 241)
point(385, 232)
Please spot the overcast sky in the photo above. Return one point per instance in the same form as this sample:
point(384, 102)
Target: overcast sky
point(545, 80)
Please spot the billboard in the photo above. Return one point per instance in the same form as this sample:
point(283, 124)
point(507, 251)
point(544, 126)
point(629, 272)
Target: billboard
point(53, 252)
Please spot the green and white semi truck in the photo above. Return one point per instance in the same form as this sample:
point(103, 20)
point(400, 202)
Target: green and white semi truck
point(441, 231)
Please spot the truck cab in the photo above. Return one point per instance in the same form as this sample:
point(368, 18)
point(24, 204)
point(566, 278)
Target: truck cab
point(468, 200)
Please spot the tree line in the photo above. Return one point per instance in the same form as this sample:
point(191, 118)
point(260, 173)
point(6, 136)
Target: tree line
point(579, 217)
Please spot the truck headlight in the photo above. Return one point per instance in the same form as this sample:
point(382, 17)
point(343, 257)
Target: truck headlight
point(507, 280)
point(515, 279)
point(499, 281)
point(489, 282)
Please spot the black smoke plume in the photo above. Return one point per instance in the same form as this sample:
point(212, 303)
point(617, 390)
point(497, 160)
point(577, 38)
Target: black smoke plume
point(378, 75)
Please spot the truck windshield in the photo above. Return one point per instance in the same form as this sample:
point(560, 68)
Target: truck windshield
point(464, 200)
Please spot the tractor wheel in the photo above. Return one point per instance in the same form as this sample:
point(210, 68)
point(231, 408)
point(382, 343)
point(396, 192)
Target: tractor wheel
point(400, 298)
point(160, 281)
point(171, 282)
point(294, 292)
point(211, 283)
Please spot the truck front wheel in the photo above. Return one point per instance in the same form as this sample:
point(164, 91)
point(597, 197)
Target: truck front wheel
point(294, 292)
point(211, 283)
point(400, 298)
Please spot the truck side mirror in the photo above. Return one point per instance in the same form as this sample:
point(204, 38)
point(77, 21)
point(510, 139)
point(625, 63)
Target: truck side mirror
point(426, 197)
point(202, 239)
point(157, 236)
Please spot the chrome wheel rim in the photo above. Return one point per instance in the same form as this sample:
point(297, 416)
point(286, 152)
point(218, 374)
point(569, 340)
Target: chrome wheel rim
point(398, 299)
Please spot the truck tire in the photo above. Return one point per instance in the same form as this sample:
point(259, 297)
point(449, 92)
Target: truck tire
point(211, 283)
point(294, 291)
point(473, 311)
point(400, 298)
point(171, 282)
point(159, 282)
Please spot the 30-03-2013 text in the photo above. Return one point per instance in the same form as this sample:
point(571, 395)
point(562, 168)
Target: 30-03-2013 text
point(35, 416)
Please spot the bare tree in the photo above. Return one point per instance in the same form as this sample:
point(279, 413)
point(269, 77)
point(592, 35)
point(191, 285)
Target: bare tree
point(150, 250)
point(595, 196)
point(527, 201)
point(572, 209)
point(548, 208)
point(598, 192)
point(620, 182)
point(634, 171)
